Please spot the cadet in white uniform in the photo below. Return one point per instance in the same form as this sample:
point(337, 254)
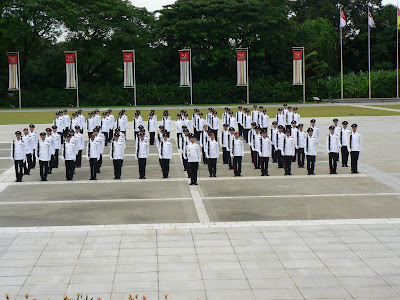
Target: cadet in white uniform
point(59, 122)
point(315, 129)
point(141, 154)
point(27, 139)
point(178, 127)
point(99, 136)
point(136, 123)
point(90, 124)
point(193, 157)
point(288, 151)
point(56, 145)
point(93, 155)
point(311, 151)
point(289, 115)
point(74, 121)
point(44, 155)
point(18, 155)
point(122, 123)
point(80, 143)
point(34, 139)
point(263, 120)
point(281, 118)
point(264, 151)
point(355, 146)
point(232, 122)
point(69, 152)
point(239, 118)
point(167, 123)
point(82, 121)
point(279, 146)
point(117, 150)
point(293, 133)
point(67, 122)
point(337, 127)
point(273, 138)
point(212, 154)
point(165, 155)
point(344, 141)
point(223, 141)
point(332, 147)
point(296, 115)
point(152, 127)
point(254, 114)
point(255, 146)
point(104, 127)
point(237, 154)
point(215, 124)
point(246, 125)
point(185, 142)
point(301, 144)
point(50, 139)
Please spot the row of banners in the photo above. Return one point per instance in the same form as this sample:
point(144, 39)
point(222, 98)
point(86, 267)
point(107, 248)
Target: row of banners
point(129, 68)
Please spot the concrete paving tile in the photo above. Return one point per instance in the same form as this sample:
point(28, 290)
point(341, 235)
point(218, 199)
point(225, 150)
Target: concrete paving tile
point(96, 261)
point(253, 249)
point(392, 246)
point(94, 269)
point(47, 279)
point(345, 262)
point(65, 247)
point(181, 285)
point(86, 288)
point(323, 255)
point(167, 259)
point(377, 254)
point(273, 293)
point(67, 240)
point(344, 227)
point(136, 245)
point(276, 228)
point(179, 275)
point(299, 228)
point(21, 255)
point(214, 250)
point(178, 267)
point(369, 246)
point(60, 254)
point(373, 227)
point(280, 234)
point(304, 263)
point(389, 238)
point(286, 241)
point(26, 248)
point(12, 280)
point(11, 290)
point(129, 260)
point(382, 262)
point(234, 284)
point(103, 239)
point(329, 247)
point(56, 262)
point(387, 270)
point(176, 251)
point(244, 235)
point(67, 234)
point(104, 233)
point(387, 232)
point(142, 276)
point(256, 256)
point(397, 289)
point(137, 268)
point(359, 240)
point(352, 233)
point(266, 265)
point(296, 255)
point(322, 240)
point(92, 278)
point(230, 230)
point(366, 281)
point(40, 271)
point(148, 232)
point(122, 296)
point(316, 234)
point(223, 274)
point(249, 243)
point(182, 295)
point(175, 244)
point(208, 230)
point(228, 295)
point(174, 231)
point(372, 292)
point(140, 238)
point(266, 273)
point(213, 266)
point(321, 281)
point(44, 289)
point(310, 272)
point(8, 235)
point(351, 271)
point(99, 253)
point(217, 257)
point(212, 243)
point(17, 263)
point(137, 252)
point(266, 283)
point(174, 237)
point(393, 280)
point(209, 236)
point(289, 248)
point(31, 241)
point(324, 293)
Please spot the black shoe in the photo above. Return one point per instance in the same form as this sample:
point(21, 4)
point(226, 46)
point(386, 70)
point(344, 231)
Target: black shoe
point(262, 174)
point(266, 174)
point(49, 173)
point(290, 174)
point(230, 168)
point(195, 183)
point(44, 179)
point(215, 175)
point(191, 183)
point(210, 176)
point(94, 178)
point(236, 175)
point(144, 178)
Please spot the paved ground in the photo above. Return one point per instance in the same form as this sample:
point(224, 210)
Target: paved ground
point(192, 246)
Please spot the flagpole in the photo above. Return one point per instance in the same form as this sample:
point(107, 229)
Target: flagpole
point(341, 63)
point(247, 71)
point(19, 83)
point(191, 79)
point(134, 75)
point(369, 59)
point(77, 80)
point(397, 52)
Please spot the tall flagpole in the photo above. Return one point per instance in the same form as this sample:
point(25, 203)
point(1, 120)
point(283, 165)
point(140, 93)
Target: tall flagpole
point(191, 78)
point(247, 74)
point(397, 52)
point(369, 59)
point(77, 80)
point(19, 83)
point(134, 75)
point(341, 63)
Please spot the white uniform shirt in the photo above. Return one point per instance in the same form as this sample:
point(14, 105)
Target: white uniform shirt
point(111, 122)
point(254, 116)
point(223, 141)
point(264, 149)
point(165, 149)
point(293, 133)
point(204, 137)
point(80, 142)
point(59, 123)
point(255, 142)
point(28, 144)
point(289, 117)
point(301, 138)
point(152, 125)
point(101, 140)
point(18, 150)
point(345, 136)
point(81, 121)
point(212, 149)
point(90, 124)
point(44, 150)
point(122, 123)
point(338, 129)
point(296, 117)
point(279, 141)
point(193, 152)
point(104, 124)
point(355, 142)
point(184, 143)
point(237, 148)
point(93, 149)
point(75, 122)
point(281, 119)
point(178, 125)
point(332, 143)
point(142, 149)
point(69, 150)
point(263, 120)
point(50, 139)
point(67, 121)
point(117, 149)
point(230, 139)
point(136, 123)
point(166, 121)
point(273, 136)
point(56, 140)
point(246, 121)
point(187, 123)
point(315, 132)
point(34, 140)
point(232, 122)
point(239, 117)
point(289, 145)
point(311, 146)
point(214, 124)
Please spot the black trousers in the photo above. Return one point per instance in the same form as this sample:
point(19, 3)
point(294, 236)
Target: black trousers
point(69, 169)
point(251, 154)
point(212, 166)
point(237, 165)
point(333, 159)
point(287, 163)
point(93, 168)
point(19, 166)
point(55, 162)
point(273, 153)
point(354, 161)
point(110, 135)
point(193, 167)
point(256, 159)
point(246, 134)
point(279, 158)
point(51, 163)
point(300, 157)
point(204, 155)
point(310, 164)
point(164, 163)
point(105, 138)
point(345, 156)
point(89, 134)
point(99, 163)
point(195, 132)
point(225, 156)
point(136, 134)
point(33, 159)
point(216, 134)
point(152, 135)
point(142, 167)
point(78, 161)
point(240, 129)
point(117, 168)
point(264, 165)
point(62, 135)
point(44, 169)
point(294, 156)
point(178, 138)
point(28, 164)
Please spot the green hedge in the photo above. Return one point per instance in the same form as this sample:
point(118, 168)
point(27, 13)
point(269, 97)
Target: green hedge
point(207, 92)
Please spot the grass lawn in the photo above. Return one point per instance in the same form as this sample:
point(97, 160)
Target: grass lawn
point(395, 106)
point(27, 117)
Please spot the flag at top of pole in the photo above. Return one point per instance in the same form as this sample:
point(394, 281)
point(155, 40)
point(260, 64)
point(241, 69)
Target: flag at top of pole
point(343, 19)
point(398, 18)
point(371, 22)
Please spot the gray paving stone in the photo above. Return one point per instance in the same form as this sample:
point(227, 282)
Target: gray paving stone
point(122, 296)
point(214, 250)
point(321, 281)
point(182, 295)
point(372, 292)
point(136, 268)
point(266, 283)
point(21, 255)
point(296, 255)
point(253, 249)
point(181, 285)
point(95, 269)
point(167, 259)
point(361, 281)
point(92, 278)
point(228, 295)
point(324, 293)
point(129, 287)
point(105, 246)
point(179, 267)
point(12, 280)
point(324, 255)
point(273, 293)
point(266, 273)
point(142, 276)
point(85, 288)
point(304, 263)
point(44, 289)
point(233, 284)
point(17, 263)
point(179, 275)
point(40, 271)
point(217, 258)
point(60, 254)
point(129, 260)
point(100, 253)
point(223, 274)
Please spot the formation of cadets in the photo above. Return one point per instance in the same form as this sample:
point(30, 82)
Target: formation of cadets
point(199, 139)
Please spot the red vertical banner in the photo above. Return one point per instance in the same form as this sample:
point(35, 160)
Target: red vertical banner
point(70, 67)
point(13, 74)
point(241, 62)
point(128, 69)
point(297, 67)
point(184, 62)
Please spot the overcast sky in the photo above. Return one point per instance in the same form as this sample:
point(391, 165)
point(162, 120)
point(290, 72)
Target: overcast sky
point(153, 5)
